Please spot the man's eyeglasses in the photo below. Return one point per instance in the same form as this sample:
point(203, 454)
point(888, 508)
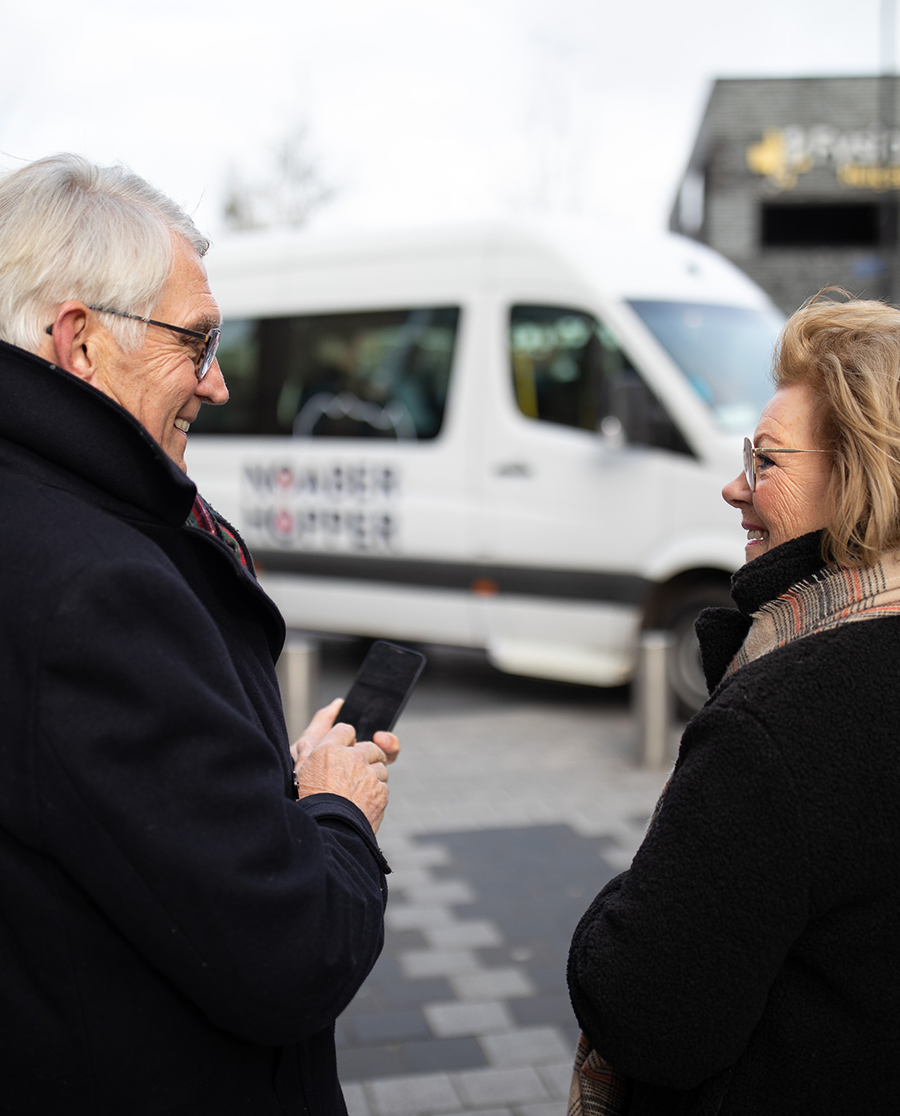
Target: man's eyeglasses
point(206, 355)
point(751, 452)
point(210, 340)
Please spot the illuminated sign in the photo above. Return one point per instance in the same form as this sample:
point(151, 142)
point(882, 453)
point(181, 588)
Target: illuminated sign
point(863, 159)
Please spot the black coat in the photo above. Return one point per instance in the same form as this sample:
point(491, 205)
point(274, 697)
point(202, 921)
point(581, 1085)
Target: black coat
point(749, 960)
point(177, 935)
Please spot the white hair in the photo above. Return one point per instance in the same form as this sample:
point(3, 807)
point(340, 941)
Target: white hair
point(72, 230)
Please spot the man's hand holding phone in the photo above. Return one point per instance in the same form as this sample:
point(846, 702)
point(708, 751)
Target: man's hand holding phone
point(338, 764)
point(328, 757)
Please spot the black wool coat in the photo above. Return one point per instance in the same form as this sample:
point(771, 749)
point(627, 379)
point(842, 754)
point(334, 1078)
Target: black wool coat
point(177, 934)
point(748, 963)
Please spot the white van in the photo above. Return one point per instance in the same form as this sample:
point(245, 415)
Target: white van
point(497, 437)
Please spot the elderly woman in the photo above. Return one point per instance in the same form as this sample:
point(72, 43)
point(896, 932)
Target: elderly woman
point(749, 960)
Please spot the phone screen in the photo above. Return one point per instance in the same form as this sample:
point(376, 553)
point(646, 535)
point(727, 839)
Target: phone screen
point(381, 689)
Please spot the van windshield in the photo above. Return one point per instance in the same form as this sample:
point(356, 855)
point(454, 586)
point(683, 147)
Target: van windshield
point(724, 351)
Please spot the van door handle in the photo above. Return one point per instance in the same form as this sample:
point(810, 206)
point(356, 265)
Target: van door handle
point(513, 469)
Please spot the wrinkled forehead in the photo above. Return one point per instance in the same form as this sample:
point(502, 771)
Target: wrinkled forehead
point(186, 297)
point(790, 418)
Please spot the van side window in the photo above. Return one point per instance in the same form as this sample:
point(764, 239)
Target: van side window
point(367, 374)
point(569, 368)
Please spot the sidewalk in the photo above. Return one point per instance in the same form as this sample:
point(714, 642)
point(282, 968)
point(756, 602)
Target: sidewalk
point(512, 804)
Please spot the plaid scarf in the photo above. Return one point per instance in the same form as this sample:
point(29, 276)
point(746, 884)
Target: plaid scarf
point(206, 519)
point(837, 595)
point(597, 1089)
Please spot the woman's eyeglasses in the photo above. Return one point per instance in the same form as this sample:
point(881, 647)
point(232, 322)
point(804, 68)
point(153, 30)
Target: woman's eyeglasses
point(750, 455)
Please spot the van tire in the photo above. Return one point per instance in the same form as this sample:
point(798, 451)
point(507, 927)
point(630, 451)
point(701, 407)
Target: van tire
point(686, 676)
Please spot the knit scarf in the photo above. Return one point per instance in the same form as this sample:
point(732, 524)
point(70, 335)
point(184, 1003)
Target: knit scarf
point(836, 595)
point(205, 518)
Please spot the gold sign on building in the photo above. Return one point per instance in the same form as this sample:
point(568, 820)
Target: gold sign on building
point(862, 159)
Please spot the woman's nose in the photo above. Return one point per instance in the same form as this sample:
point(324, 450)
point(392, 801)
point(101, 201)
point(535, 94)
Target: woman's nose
point(737, 492)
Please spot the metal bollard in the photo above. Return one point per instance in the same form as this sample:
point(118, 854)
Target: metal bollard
point(653, 699)
point(296, 670)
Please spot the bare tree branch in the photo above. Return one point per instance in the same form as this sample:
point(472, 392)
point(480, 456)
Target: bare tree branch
point(290, 191)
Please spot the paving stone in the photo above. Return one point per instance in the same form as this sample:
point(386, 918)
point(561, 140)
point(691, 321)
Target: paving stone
point(503, 1086)
point(492, 984)
point(405, 1096)
point(528, 1047)
point(355, 1096)
point(387, 1026)
point(361, 1063)
point(416, 991)
point(417, 856)
point(553, 1108)
point(446, 893)
point(467, 1019)
point(485, 1112)
point(548, 979)
point(543, 1009)
point(431, 962)
point(443, 1054)
point(557, 1077)
point(463, 935)
point(402, 879)
point(405, 917)
point(399, 940)
point(572, 1034)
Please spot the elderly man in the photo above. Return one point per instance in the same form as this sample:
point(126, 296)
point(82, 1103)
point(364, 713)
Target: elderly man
point(185, 906)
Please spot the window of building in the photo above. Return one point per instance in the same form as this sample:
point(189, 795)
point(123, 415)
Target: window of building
point(376, 374)
point(831, 225)
point(568, 368)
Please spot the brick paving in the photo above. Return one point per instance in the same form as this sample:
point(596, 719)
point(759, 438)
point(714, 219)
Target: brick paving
point(513, 803)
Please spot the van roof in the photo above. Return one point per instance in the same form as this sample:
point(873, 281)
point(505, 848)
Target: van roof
point(616, 261)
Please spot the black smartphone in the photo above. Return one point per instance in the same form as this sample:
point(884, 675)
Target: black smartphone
point(381, 688)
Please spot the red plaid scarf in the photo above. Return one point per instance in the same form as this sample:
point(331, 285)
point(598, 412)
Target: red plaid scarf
point(597, 1089)
point(203, 516)
point(838, 595)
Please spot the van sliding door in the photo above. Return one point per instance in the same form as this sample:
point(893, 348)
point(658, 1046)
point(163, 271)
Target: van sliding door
point(569, 513)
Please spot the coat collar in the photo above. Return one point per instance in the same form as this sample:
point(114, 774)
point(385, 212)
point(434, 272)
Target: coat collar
point(722, 631)
point(771, 574)
point(78, 437)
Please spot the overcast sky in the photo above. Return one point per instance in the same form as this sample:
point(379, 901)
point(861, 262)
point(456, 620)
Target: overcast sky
point(416, 110)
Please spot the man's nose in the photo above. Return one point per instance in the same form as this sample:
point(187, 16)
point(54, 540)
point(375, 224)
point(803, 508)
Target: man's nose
point(212, 388)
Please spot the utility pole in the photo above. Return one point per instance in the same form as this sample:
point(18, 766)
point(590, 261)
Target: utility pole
point(887, 119)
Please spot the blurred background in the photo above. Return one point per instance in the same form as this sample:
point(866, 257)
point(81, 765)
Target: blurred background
point(388, 111)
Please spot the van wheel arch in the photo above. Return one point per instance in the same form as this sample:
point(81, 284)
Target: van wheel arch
point(673, 607)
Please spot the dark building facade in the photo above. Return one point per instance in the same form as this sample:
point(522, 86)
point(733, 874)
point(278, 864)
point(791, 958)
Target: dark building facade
point(797, 181)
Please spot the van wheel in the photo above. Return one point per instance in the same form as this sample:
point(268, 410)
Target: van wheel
point(685, 672)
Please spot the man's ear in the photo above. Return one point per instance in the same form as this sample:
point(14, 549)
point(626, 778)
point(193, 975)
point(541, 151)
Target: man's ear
point(75, 341)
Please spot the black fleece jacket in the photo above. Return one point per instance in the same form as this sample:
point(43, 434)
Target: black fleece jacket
point(749, 960)
point(177, 934)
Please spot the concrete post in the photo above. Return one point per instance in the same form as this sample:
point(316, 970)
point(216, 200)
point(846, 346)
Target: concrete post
point(653, 698)
point(296, 670)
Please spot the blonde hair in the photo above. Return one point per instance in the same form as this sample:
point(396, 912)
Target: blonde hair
point(72, 230)
point(849, 354)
